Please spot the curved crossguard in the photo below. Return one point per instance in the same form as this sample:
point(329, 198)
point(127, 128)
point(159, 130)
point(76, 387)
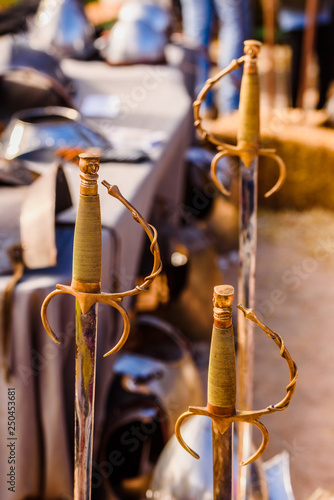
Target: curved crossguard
point(87, 251)
point(248, 138)
point(222, 375)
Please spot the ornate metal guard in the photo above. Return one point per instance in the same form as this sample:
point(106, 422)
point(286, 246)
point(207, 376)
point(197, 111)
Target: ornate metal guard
point(221, 405)
point(248, 143)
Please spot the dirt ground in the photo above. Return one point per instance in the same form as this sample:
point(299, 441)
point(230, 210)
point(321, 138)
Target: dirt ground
point(295, 297)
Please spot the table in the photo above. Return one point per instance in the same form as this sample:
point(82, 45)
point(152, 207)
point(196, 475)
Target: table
point(152, 98)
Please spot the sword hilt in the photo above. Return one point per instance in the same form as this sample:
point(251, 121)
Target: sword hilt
point(248, 136)
point(87, 252)
point(221, 396)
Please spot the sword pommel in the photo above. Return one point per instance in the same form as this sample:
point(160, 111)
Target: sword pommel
point(252, 48)
point(89, 164)
point(222, 301)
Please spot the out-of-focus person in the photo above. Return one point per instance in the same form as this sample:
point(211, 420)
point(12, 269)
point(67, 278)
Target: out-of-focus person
point(293, 21)
point(234, 27)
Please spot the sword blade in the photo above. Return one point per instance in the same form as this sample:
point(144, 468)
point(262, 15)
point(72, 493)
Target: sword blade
point(222, 451)
point(86, 328)
point(246, 295)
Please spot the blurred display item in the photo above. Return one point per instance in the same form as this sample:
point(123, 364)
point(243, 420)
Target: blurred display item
point(40, 133)
point(101, 12)
point(15, 173)
point(155, 376)
point(178, 476)
point(28, 211)
point(28, 235)
point(134, 42)
point(61, 28)
point(30, 78)
point(14, 15)
point(139, 35)
point(157, 17)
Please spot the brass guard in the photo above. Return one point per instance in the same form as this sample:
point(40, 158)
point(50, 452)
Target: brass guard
point(87, 298)
point(247, 152)
point(251, 417)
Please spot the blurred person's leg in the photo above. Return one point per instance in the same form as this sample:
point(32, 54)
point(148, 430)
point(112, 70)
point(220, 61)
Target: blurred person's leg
point(197, 19)
point(295, 39)
point(324, 49)
point(235, 28)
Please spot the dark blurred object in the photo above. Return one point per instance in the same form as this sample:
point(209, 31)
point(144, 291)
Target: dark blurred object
point(308, 26)
point(14, 173)
point(39, 133)
point(173, 279)
point(200, 191)
point(154, 379)
point(29, 78)
point(190, 267)
point(14, 19)
point(123, 155)
point(61, 28)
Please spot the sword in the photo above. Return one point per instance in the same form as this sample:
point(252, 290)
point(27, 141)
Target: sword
point(221, 404)
point(248, 150)
point(86, 287)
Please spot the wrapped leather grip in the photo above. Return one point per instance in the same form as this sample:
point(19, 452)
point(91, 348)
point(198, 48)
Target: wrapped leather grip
point(249, 106)
point(87, 248)
point(222, 369)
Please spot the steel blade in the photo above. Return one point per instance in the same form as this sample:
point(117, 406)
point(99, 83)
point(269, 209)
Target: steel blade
point(246, 296)
point(222, 451)
point(86, 328)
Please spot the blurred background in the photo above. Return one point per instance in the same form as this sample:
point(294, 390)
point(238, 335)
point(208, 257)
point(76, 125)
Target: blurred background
point(120, 77)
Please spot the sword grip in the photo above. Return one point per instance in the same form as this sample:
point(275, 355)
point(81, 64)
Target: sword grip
point(87, 247)
point(222, 369)
point(249, 106)
point(222, 363)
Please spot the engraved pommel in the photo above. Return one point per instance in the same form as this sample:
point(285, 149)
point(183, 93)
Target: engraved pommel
point(223, 296)
point(89, 164)
point(252, 48)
